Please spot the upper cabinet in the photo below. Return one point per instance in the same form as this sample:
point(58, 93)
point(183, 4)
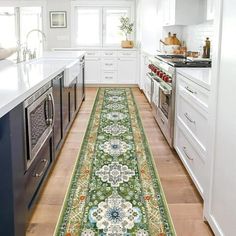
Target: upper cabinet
point(182, 12)
point(210, 9)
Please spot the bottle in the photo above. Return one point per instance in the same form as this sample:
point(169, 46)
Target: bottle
point(207, 48)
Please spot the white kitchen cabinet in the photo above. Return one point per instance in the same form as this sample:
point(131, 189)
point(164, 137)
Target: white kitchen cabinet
point(147, 88)
point(144, 62)
point(210, 9)
point(191, 119)
point(111, 67)
point(127, 71)
point(93, 70)
point(109, 77)
point(182, 12)
point(220, 207)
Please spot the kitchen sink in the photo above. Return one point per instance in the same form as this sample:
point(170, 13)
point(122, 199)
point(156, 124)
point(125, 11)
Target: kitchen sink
point(72, 67)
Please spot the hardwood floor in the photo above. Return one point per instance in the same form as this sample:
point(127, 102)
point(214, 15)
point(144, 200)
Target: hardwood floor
point(184, 202)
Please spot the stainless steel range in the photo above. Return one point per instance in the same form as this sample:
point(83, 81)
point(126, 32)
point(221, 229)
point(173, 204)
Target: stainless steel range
point(163, 76)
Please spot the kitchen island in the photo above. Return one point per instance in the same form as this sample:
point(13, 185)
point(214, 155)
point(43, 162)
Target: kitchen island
point(37, 105)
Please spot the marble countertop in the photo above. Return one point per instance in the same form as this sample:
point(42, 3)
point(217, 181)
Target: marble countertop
point(19, 81)
point(201, 76)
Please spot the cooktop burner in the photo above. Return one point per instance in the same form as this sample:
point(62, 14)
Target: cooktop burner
point(182, 61)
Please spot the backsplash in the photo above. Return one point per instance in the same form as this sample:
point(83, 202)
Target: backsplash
point(195, 35)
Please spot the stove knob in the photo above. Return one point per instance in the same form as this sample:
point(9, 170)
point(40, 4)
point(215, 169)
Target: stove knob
point(161, 74)
point(166, 78)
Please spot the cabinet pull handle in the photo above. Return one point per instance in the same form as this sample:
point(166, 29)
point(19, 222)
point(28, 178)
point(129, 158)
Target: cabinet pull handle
point(162, 121)
point(38, 175)
point(108, 64)
point(189, 119)
point(186, 154)
point(190, 90)
point(108, 77)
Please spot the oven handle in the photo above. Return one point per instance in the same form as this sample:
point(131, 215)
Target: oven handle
point(51, 99)
point(46, 111)
point(165, 91)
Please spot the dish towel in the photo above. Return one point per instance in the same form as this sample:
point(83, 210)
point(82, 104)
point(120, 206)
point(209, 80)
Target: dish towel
point(155, 97)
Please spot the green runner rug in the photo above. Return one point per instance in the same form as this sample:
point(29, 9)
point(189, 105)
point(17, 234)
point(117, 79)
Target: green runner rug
point(115, 189)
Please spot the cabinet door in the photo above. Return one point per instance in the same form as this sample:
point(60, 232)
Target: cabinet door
point(175, 12)
point(92, 70)
point(210, 9)
point(144, 70)
point(127, 71)
point(166, 12)
point(57, 94)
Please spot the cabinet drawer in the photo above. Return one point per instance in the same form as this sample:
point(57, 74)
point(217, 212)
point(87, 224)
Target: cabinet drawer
point(109, 65)
point(193, 91)
point(109, 54)
point(38, 170)
point(127, 54)
point(194, 119)
point(190, 158)
point(109, 77)
point(92, 54)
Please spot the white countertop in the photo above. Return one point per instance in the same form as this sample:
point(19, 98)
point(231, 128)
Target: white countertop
point(19, 81)
point(96, 49)
point(201, 76)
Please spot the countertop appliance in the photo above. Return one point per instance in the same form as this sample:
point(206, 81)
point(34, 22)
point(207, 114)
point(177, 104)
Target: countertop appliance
point(163, 75)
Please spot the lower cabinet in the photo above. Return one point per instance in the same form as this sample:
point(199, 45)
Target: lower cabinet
point(191, 121)
point(13, 206)
point(127, 71)
point(38, 171)
point(111, 67)
point(57, 94)
point(92, 70)
point(190, 156)
point(147, 87)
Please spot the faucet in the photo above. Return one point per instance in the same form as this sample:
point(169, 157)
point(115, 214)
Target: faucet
point(26, 50)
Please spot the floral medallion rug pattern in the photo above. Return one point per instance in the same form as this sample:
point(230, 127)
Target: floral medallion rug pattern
point(115, 190)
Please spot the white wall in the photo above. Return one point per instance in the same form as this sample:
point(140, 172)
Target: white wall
point(150, 25)
point(195, 35)
point(58, 37)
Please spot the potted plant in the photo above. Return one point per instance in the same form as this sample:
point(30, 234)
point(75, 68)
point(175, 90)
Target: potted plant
point(127, 28)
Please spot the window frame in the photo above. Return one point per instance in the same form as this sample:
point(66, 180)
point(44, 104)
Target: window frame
point(103, 4)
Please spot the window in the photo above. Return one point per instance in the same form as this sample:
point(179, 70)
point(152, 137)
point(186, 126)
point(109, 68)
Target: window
point(7, 26)
point(113, 35)
point(88, 25)
point(16, 22)
point(30, 18)
point(98, 26)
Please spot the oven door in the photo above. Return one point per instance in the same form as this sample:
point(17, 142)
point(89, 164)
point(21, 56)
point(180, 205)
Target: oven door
point(40, 119)
point(165, 101)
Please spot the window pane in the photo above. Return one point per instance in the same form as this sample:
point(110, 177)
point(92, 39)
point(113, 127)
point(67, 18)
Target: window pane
point(88, 26)
point(113, 34)
point(7, 26)
point(30, 18)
